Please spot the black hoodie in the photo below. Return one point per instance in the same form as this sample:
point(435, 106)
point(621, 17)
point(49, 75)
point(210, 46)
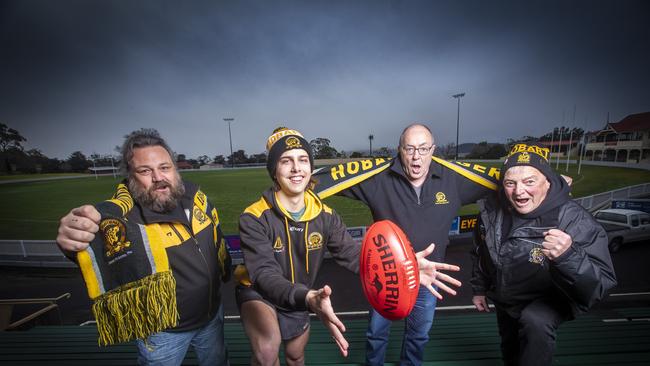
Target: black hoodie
point(510, 268)
point(283, 256)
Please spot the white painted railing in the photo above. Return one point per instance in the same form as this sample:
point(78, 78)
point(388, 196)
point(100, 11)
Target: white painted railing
point(602, 200)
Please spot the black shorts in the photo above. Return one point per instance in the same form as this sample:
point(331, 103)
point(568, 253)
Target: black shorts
point(292, 323)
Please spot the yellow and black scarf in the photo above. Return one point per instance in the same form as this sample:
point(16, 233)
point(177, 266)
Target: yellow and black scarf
point(127, 274)
point(336, 178)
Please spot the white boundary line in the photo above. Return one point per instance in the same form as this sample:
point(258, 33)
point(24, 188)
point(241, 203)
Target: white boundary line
point(365, 312)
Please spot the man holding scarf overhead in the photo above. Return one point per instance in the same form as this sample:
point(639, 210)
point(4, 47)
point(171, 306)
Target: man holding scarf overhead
point(421, 194)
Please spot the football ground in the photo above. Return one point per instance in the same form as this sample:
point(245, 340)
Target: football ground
point(31, 210)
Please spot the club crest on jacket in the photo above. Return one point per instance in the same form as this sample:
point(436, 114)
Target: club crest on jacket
point(315, 241)
point(536, 256)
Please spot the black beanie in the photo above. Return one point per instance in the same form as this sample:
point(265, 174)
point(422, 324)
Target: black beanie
point(531, 155)
point(281, 140)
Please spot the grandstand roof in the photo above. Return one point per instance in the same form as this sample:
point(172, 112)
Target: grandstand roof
point(632, 123)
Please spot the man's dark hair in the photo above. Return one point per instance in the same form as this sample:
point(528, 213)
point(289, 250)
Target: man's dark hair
point(143, 137)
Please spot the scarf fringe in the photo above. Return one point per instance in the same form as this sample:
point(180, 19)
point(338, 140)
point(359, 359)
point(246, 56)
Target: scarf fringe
point(137, 310)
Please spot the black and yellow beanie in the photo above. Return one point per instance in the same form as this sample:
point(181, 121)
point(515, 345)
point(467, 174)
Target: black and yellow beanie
point(281, 140)
point(531, 155)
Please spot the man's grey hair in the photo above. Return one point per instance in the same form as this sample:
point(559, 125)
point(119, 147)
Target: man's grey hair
point(143, 137)
point(416, 124)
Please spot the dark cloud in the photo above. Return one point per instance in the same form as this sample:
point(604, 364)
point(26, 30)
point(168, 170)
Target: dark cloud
point(80, 74)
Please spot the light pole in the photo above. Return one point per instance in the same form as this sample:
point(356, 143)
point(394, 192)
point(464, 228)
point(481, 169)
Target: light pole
point(568, 151)
point(457, 96)
point(232, 158)
point(370, 137)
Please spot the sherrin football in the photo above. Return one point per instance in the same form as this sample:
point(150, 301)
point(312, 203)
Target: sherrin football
point(389, 270)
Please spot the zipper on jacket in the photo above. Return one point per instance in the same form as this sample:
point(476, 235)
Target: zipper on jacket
point(306, 248)
point(417, 196)
point(175, 230)
point(207, 268)
point(286, 227)
point(205, 262)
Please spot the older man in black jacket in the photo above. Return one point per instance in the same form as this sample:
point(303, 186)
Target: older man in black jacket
point(540, 257)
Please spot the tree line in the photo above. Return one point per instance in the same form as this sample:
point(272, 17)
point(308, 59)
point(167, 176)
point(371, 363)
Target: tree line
point(15, 159)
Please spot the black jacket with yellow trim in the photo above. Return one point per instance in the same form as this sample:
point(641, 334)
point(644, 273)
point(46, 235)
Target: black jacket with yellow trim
point(195, 248)
point(283, 256)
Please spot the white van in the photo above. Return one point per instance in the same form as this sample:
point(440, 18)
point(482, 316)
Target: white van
point(624, 226)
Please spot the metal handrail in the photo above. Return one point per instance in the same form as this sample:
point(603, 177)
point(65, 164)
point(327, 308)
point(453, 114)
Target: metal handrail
point(8, 304)
point(31, 316)
point(44, 300)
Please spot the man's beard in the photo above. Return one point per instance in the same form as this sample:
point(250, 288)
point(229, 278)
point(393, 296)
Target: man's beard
point(157, 203)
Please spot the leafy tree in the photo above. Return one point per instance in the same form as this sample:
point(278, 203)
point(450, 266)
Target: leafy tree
point(383, 152)
point(239, 157)
point(523, 139)
point(326, 153)
point(322, 149)
point(257, 158)
point(496, 151)
point(35, 154)
point(78, 162)
point(484, 150)
point(478, 151)
point(447, 151)
point(193, 162)
point(565, 132)
point(11, 149)
point(51, 165)
point(180, 157)
point(33, 162)
point(15, 160)
point(10, 139)
point(356, 155)
point(102, 160)
point(203, 159)
point(219, 159)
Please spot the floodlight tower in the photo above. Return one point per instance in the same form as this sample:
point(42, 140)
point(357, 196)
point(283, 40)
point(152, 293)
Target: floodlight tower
point(457, 96)
point(232, 158)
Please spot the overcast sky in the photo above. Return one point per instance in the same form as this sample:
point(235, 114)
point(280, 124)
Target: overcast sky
point(79, 75)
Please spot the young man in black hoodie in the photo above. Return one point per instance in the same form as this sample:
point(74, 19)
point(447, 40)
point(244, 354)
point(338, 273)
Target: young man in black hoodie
point(284, 236)
point(540, 257)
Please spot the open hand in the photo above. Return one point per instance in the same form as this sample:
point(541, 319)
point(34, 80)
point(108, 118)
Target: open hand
point(319, 302)
point(430, 274)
